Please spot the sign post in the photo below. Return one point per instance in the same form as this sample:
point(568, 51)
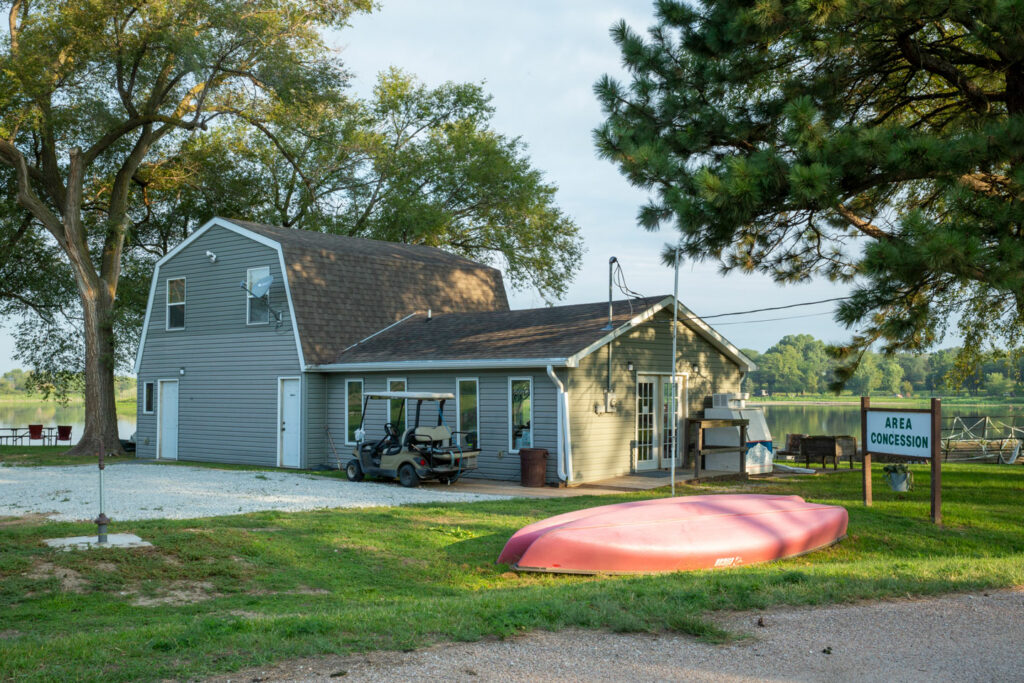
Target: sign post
point(936, 507)
point(904, 433)
point(865, 403)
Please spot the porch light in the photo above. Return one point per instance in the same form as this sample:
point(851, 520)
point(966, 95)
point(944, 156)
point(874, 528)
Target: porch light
point(629, 366)
point(694, 368)
point(181, 371)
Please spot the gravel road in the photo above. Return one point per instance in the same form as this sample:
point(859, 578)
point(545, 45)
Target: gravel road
point(149, 491)
point(971, 637)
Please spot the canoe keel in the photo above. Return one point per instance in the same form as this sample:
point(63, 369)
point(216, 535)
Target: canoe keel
point(676, 534)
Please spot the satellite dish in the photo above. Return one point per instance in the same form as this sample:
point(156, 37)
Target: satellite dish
point(262, 286)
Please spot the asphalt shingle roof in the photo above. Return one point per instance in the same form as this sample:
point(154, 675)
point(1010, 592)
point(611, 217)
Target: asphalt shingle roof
point(555, 332)
point(346, 288)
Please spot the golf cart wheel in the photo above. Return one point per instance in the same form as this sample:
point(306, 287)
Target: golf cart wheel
point(354, 471)
point(407, 476)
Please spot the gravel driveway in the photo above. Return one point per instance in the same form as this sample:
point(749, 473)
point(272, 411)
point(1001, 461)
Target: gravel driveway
point(952, 638)
point(152, 491)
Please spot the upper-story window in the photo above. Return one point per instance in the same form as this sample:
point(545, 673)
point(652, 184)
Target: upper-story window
point(259, 306)
point(176, 303)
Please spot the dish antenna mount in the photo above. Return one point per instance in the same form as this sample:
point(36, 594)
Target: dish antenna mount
point(260, 290)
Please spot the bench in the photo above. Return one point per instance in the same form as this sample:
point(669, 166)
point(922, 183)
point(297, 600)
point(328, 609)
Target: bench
point(829, 449)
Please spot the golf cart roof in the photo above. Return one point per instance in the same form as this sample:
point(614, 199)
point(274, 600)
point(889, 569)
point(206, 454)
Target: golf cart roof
point(412, 395)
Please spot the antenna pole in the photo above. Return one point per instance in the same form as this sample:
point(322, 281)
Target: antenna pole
point(611, 262)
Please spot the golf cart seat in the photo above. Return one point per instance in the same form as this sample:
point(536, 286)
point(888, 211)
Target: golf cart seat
point(435, 436)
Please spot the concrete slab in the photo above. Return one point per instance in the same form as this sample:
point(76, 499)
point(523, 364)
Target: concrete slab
point(91, 542)
point(630, 482)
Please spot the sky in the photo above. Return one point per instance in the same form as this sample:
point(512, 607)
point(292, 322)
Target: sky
point(539, 60)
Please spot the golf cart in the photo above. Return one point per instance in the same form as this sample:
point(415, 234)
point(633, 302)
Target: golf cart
point(421, 452)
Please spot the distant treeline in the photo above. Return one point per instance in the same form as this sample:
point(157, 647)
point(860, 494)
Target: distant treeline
point(16, 383)
point(799, 364)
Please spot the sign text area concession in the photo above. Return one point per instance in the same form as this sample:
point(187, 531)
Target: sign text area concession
point(899, 433)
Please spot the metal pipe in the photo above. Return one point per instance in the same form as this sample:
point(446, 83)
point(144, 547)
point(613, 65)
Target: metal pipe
point(675, 390)
point(609, 326)
point(101, 521)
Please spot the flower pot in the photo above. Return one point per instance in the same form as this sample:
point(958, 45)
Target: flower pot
point(898, 481)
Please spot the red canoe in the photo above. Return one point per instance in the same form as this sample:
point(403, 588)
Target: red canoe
point(675, 534)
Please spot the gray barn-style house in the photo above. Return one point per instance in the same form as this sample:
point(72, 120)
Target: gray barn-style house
point(278, 380)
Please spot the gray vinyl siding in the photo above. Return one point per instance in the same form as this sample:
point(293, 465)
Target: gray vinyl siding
point(228, 396)
point(601, 444)
point(495, 461)
point(314, 414)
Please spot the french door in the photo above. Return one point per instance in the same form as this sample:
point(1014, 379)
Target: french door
point(655, 428)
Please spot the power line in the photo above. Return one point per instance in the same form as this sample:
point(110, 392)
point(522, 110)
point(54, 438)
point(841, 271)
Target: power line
point(765, 320)
point(775, 308)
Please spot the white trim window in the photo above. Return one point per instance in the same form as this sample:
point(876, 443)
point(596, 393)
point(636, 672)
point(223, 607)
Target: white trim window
point(398, 409)
point(467, 411)
point(175, 303)
point(353, 409)
point(148, 398)
point(258, 307)
point(520, 413)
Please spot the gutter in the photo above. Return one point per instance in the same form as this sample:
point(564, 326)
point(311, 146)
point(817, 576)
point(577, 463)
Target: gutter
point(564, 432)
point(454, 364)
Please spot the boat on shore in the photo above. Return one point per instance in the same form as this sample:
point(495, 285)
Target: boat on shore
point(675, 534)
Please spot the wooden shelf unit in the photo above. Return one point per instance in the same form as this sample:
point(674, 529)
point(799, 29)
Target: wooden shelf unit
point(695, 428)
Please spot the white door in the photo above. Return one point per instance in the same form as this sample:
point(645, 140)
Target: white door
point(668, 425)
point(646, 424)
point(290, 418)
point(167, 420)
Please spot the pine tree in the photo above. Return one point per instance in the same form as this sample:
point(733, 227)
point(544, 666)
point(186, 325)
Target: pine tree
point(875, 143)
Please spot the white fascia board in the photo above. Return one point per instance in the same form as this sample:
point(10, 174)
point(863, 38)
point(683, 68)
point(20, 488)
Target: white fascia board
point(145, 322)
point(643, 316)
point(481, 364)
point(239, 230)
point(688, 318)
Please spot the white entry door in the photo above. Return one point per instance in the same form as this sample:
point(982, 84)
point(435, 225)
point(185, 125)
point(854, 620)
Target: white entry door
point(655, 428)
point(167, 420)
point(290, 421)
point(646, 422)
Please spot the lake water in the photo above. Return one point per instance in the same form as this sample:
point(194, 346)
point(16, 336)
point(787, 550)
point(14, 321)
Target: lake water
point(782, 419)
point(845, 419)
point(50, 415)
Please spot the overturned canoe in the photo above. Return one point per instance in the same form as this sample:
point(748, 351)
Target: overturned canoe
point(675, 534)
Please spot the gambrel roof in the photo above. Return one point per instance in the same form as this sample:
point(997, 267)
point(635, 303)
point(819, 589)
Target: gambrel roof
point(345, 288)
point(341, 289)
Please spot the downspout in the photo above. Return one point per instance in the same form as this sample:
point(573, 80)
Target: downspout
point(564, 433)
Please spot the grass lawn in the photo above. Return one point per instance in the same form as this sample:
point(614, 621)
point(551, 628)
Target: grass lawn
point(39, 456)
point(215, 595)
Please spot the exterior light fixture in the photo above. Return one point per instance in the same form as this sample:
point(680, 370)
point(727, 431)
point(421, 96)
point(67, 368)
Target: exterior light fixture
point(694, 368)
point(210, 255)
point(181, 371)
point(630, 366)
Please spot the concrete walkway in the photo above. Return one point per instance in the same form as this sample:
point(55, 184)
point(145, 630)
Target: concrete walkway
point(624, 484)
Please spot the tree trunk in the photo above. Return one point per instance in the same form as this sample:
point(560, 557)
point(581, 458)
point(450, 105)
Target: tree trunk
point(100, 407)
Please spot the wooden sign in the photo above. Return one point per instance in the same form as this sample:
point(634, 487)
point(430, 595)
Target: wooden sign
point(904, 433)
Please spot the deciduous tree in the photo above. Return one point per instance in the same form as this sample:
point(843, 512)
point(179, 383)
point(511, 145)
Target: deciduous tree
point(88, 91)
